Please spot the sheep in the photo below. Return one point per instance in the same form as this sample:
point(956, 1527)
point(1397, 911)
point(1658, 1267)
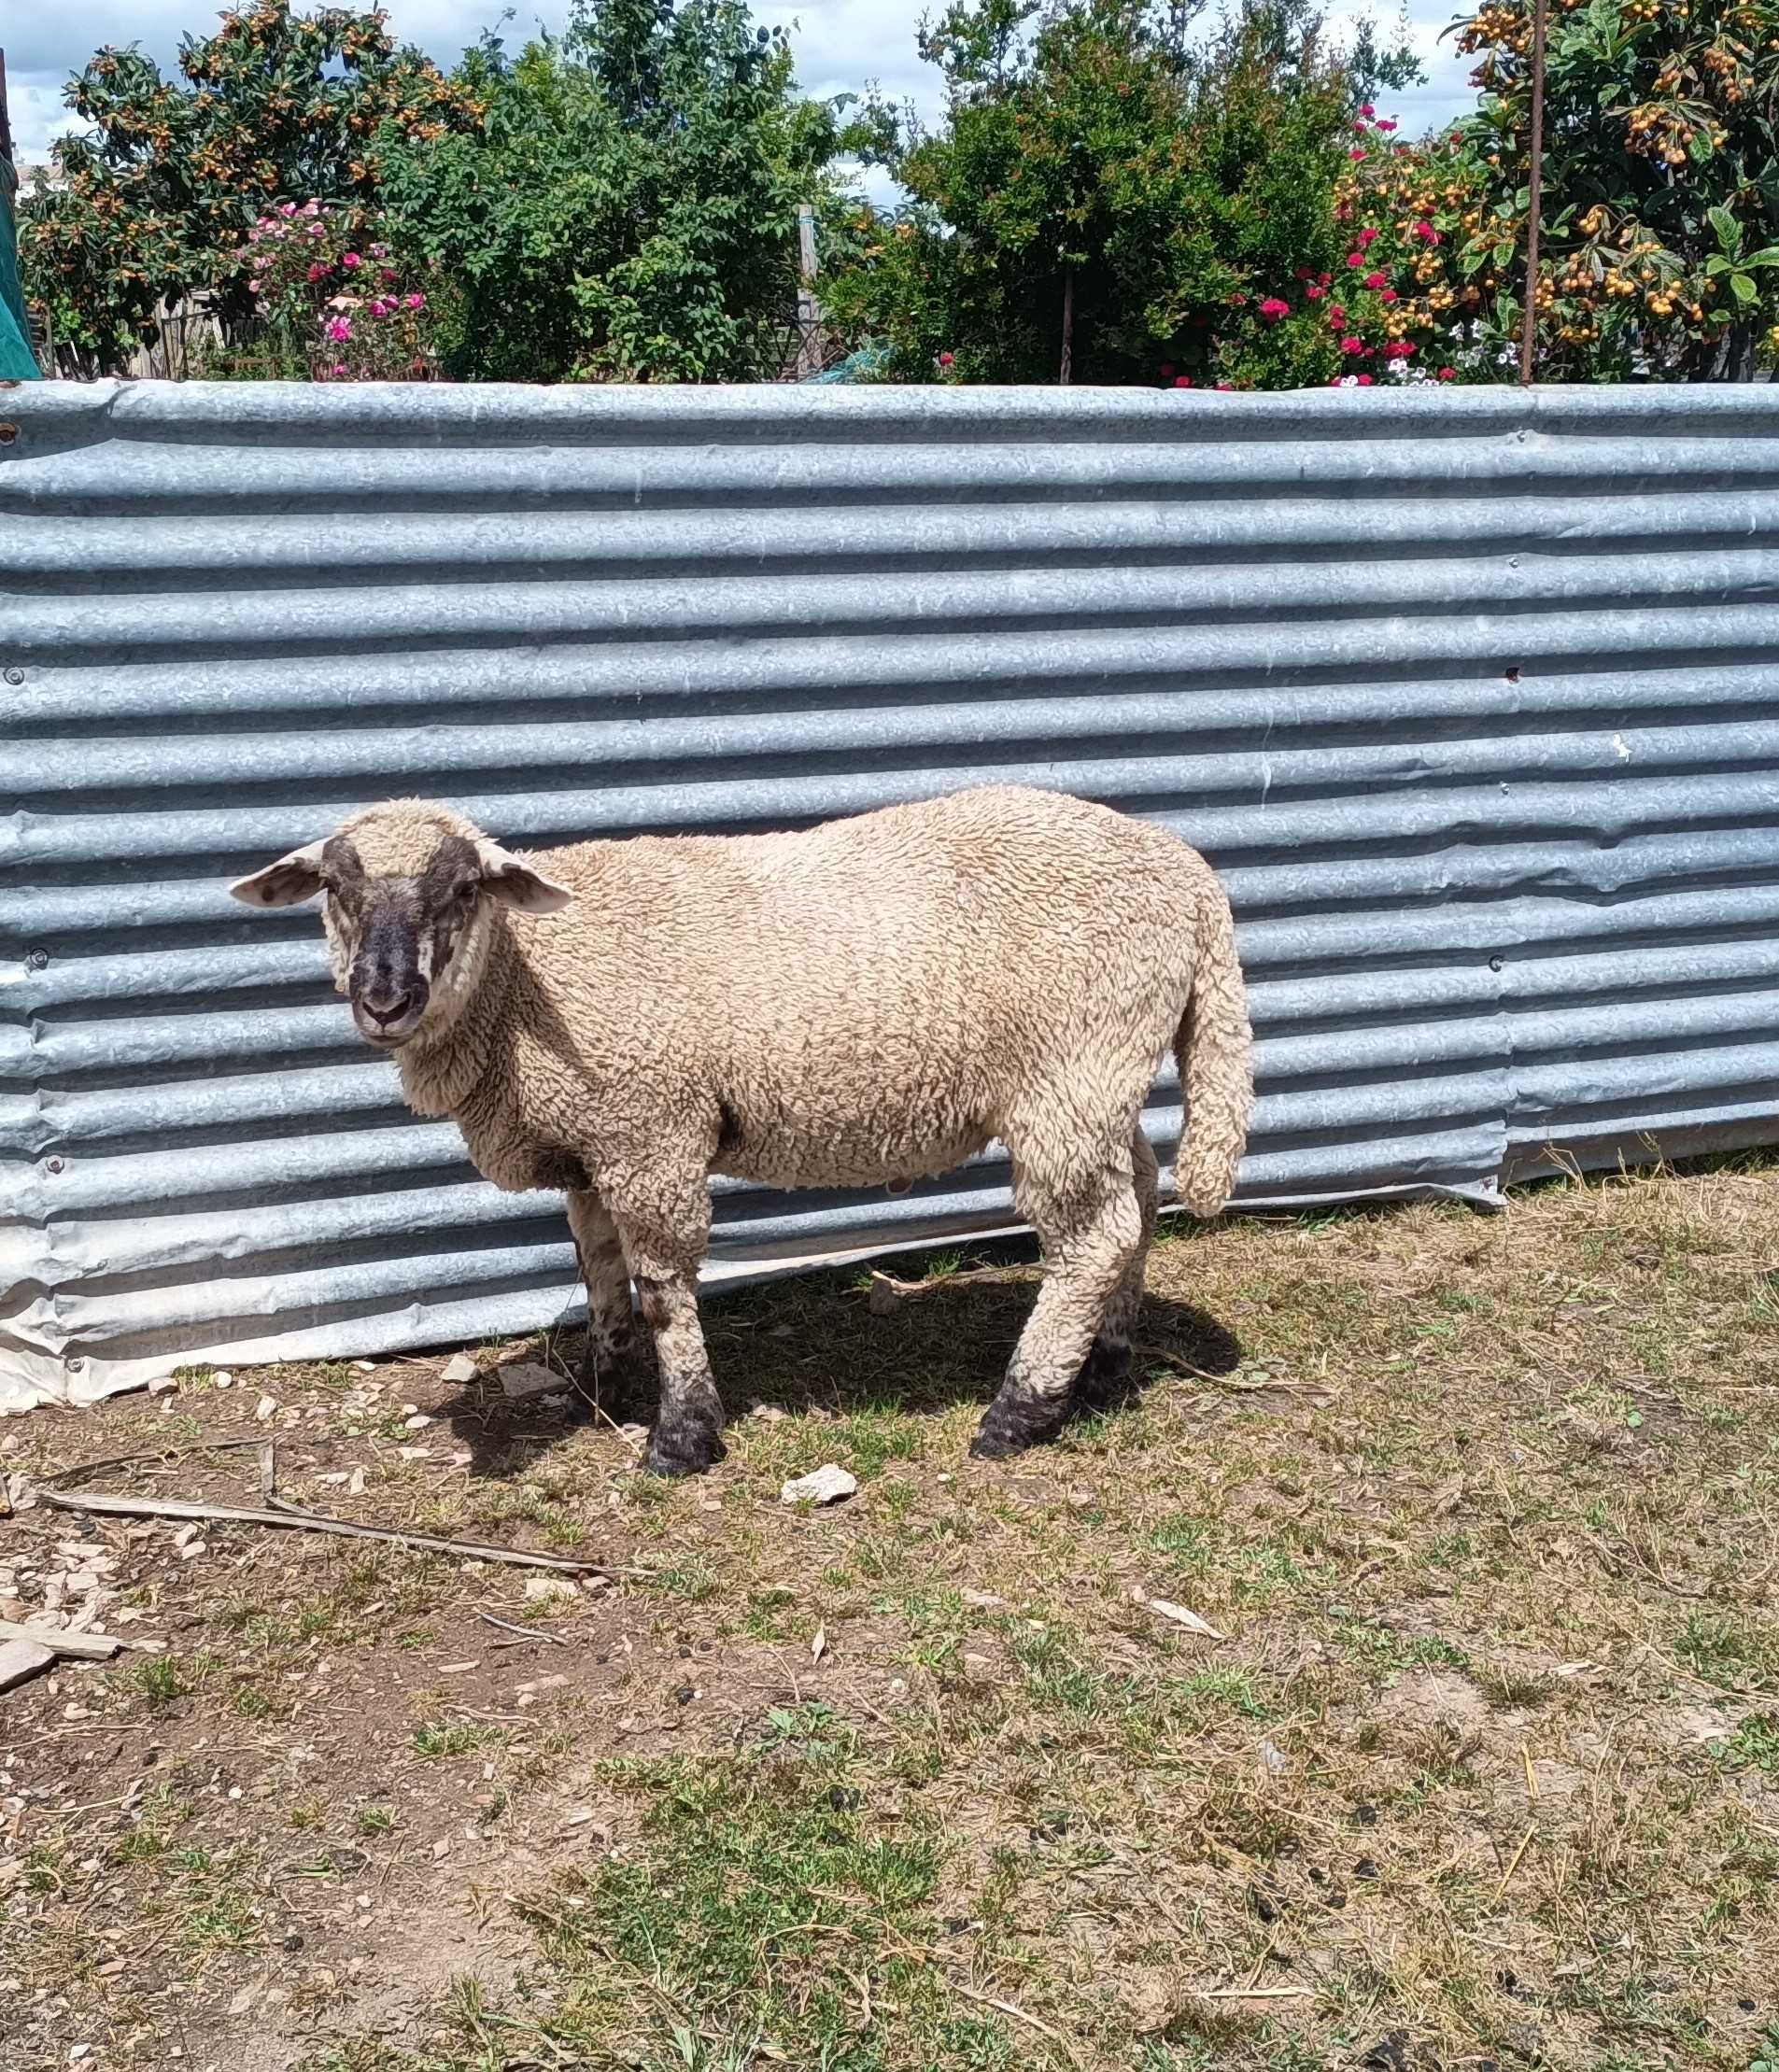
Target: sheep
point(861, 1003)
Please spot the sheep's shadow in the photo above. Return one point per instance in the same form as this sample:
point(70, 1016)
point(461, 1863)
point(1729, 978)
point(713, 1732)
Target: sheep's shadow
point(831, 1343)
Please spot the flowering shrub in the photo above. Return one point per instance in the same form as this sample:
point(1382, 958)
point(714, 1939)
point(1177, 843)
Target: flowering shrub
point(342, 302)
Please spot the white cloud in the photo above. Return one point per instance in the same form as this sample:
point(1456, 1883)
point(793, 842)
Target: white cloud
point(840, 46)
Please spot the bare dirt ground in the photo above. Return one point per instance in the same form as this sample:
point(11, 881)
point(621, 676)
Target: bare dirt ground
point(1481, 1768)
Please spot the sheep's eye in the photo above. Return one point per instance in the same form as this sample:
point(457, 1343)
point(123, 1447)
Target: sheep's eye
point(464, 891)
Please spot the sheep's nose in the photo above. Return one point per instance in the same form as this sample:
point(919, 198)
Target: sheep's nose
point(386, 1006)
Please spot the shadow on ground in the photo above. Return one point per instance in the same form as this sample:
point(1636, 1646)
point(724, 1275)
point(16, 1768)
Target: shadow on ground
point(945, 1339)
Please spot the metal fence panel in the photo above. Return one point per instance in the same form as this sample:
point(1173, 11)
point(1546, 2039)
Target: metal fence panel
point(1473, 698)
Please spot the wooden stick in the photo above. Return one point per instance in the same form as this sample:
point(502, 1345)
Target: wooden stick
point(1260, 1993)
point(1018, 2013)
point(524, 1632)
point(104, 1506)
point(81, 1647)
point(1507, 1875)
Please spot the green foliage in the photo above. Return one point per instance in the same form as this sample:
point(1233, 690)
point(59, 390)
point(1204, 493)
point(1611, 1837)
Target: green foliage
point(1103, 179)
point(1660, 233)
point(170, 174)
point(628, 209)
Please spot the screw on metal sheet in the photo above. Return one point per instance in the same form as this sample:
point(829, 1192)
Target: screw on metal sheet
point(37, 959)
point(7, 434)
point(1496, 964)
point(53, 1165)
point(74, 1364)
point(15, 677)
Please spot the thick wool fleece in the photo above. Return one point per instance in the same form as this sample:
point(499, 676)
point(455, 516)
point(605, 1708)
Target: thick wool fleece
point(864, 1002)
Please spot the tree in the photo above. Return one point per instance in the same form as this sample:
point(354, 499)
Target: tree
point(1659, 230)
point(1108, 197)
point(163, 188)
point(629, 210)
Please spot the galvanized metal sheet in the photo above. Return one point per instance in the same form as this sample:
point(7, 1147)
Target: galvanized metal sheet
point(1473, 698)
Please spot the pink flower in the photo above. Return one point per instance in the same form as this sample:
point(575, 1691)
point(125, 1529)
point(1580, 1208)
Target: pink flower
point(1376, 281)
point(1314, 292)
point(1398, 348)
point(1183, 381)
point(1351, 344)
point(419, 302)
point(339, 366)
point(1365, 382)
point(1390, 295)
point(1386, 126)
point(1355, 259)
point(1367, 236)
point(286, 208)
point(1168, 370)
point(1360, 127)
point(351, 259)
point(1368, 111)
point(1272, 309)
point(945, 360)
point(389, 273)
point(1426, 233)
point(1355, 153)
point(318, 272)
point(339, 329)
point(1323, 279)
point(311, 208)
point(1447, 373)
point(1236, 300)
point(1225, 385)
point(1336, 313)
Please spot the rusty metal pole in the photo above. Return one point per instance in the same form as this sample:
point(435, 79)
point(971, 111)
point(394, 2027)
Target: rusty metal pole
point(1534, 191)
point(1065, 373)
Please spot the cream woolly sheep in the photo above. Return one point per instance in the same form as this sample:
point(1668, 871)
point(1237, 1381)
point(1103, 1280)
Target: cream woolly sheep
point(858, 1004)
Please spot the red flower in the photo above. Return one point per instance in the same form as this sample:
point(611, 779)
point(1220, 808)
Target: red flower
point(1168, 370)
point(1426, 233)
point(1323, 279)
point(1351, 344)
point(1447, 373)
point(1314, 292)
point(1355, 259)
point(1236, 300)
point(1398, 348)
point(1365, 382)
point(1225, 385)
point(1355, 153)
point(1376, 281)
point(318, 272)
point(1183, 381)
point(1386, 126)
point(1368, 111)
point(1272, 309)
point(1367, 237)
point(945, 360)
point(1336, 313)
point(1389, 295)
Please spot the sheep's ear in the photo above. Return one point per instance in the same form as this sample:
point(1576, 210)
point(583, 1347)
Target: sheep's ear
point(511, 881)
point(285, 883)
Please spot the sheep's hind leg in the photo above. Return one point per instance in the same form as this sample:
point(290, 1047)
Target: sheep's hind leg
point(609, 1366)
point(1093, 1237)
point(1104, 1380)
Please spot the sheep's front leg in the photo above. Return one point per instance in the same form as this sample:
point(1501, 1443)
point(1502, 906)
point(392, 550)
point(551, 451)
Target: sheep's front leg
point(608, 1364)
point(663, 1245)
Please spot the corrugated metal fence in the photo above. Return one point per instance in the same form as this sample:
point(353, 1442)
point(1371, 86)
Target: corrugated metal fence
point(1473, 698)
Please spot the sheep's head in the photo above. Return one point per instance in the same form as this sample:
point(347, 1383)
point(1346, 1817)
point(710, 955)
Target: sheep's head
point(407, 888)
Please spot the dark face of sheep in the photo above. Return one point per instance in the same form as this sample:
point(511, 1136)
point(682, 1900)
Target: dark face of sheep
point(395, 933)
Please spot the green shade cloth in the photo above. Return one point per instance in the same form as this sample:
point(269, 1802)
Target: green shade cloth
point(17, 360)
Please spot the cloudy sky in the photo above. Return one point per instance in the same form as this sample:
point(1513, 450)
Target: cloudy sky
point(838, 42)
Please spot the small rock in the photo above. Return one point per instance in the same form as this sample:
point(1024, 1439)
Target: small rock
point(366, 1366)
point(222, 1379)
point(418, 1422)
point(265, 1408)
point(1274, 1759)
point(163, 1385)
point(769, 1413)
point(541, 1589)
point(193, 1548)
point(827, 1484)
point(354, 1485)
point(1179, 1615)
point(984, 1601)
point(459, 1369)
point(185, 1534)
point(517, 1383)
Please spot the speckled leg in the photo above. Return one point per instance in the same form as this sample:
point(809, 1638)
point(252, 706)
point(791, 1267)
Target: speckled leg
point(609, 1366)
point(664, 1247)
point(1105, 1375)
point(1092, 1234)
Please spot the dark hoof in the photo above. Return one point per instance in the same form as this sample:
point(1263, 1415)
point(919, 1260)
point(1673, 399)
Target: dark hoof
point(684, 1449)
point(1104, 1382)
point(1004, 1433)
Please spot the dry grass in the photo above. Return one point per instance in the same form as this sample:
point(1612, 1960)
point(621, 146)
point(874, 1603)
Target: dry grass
point(1487, 1770)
